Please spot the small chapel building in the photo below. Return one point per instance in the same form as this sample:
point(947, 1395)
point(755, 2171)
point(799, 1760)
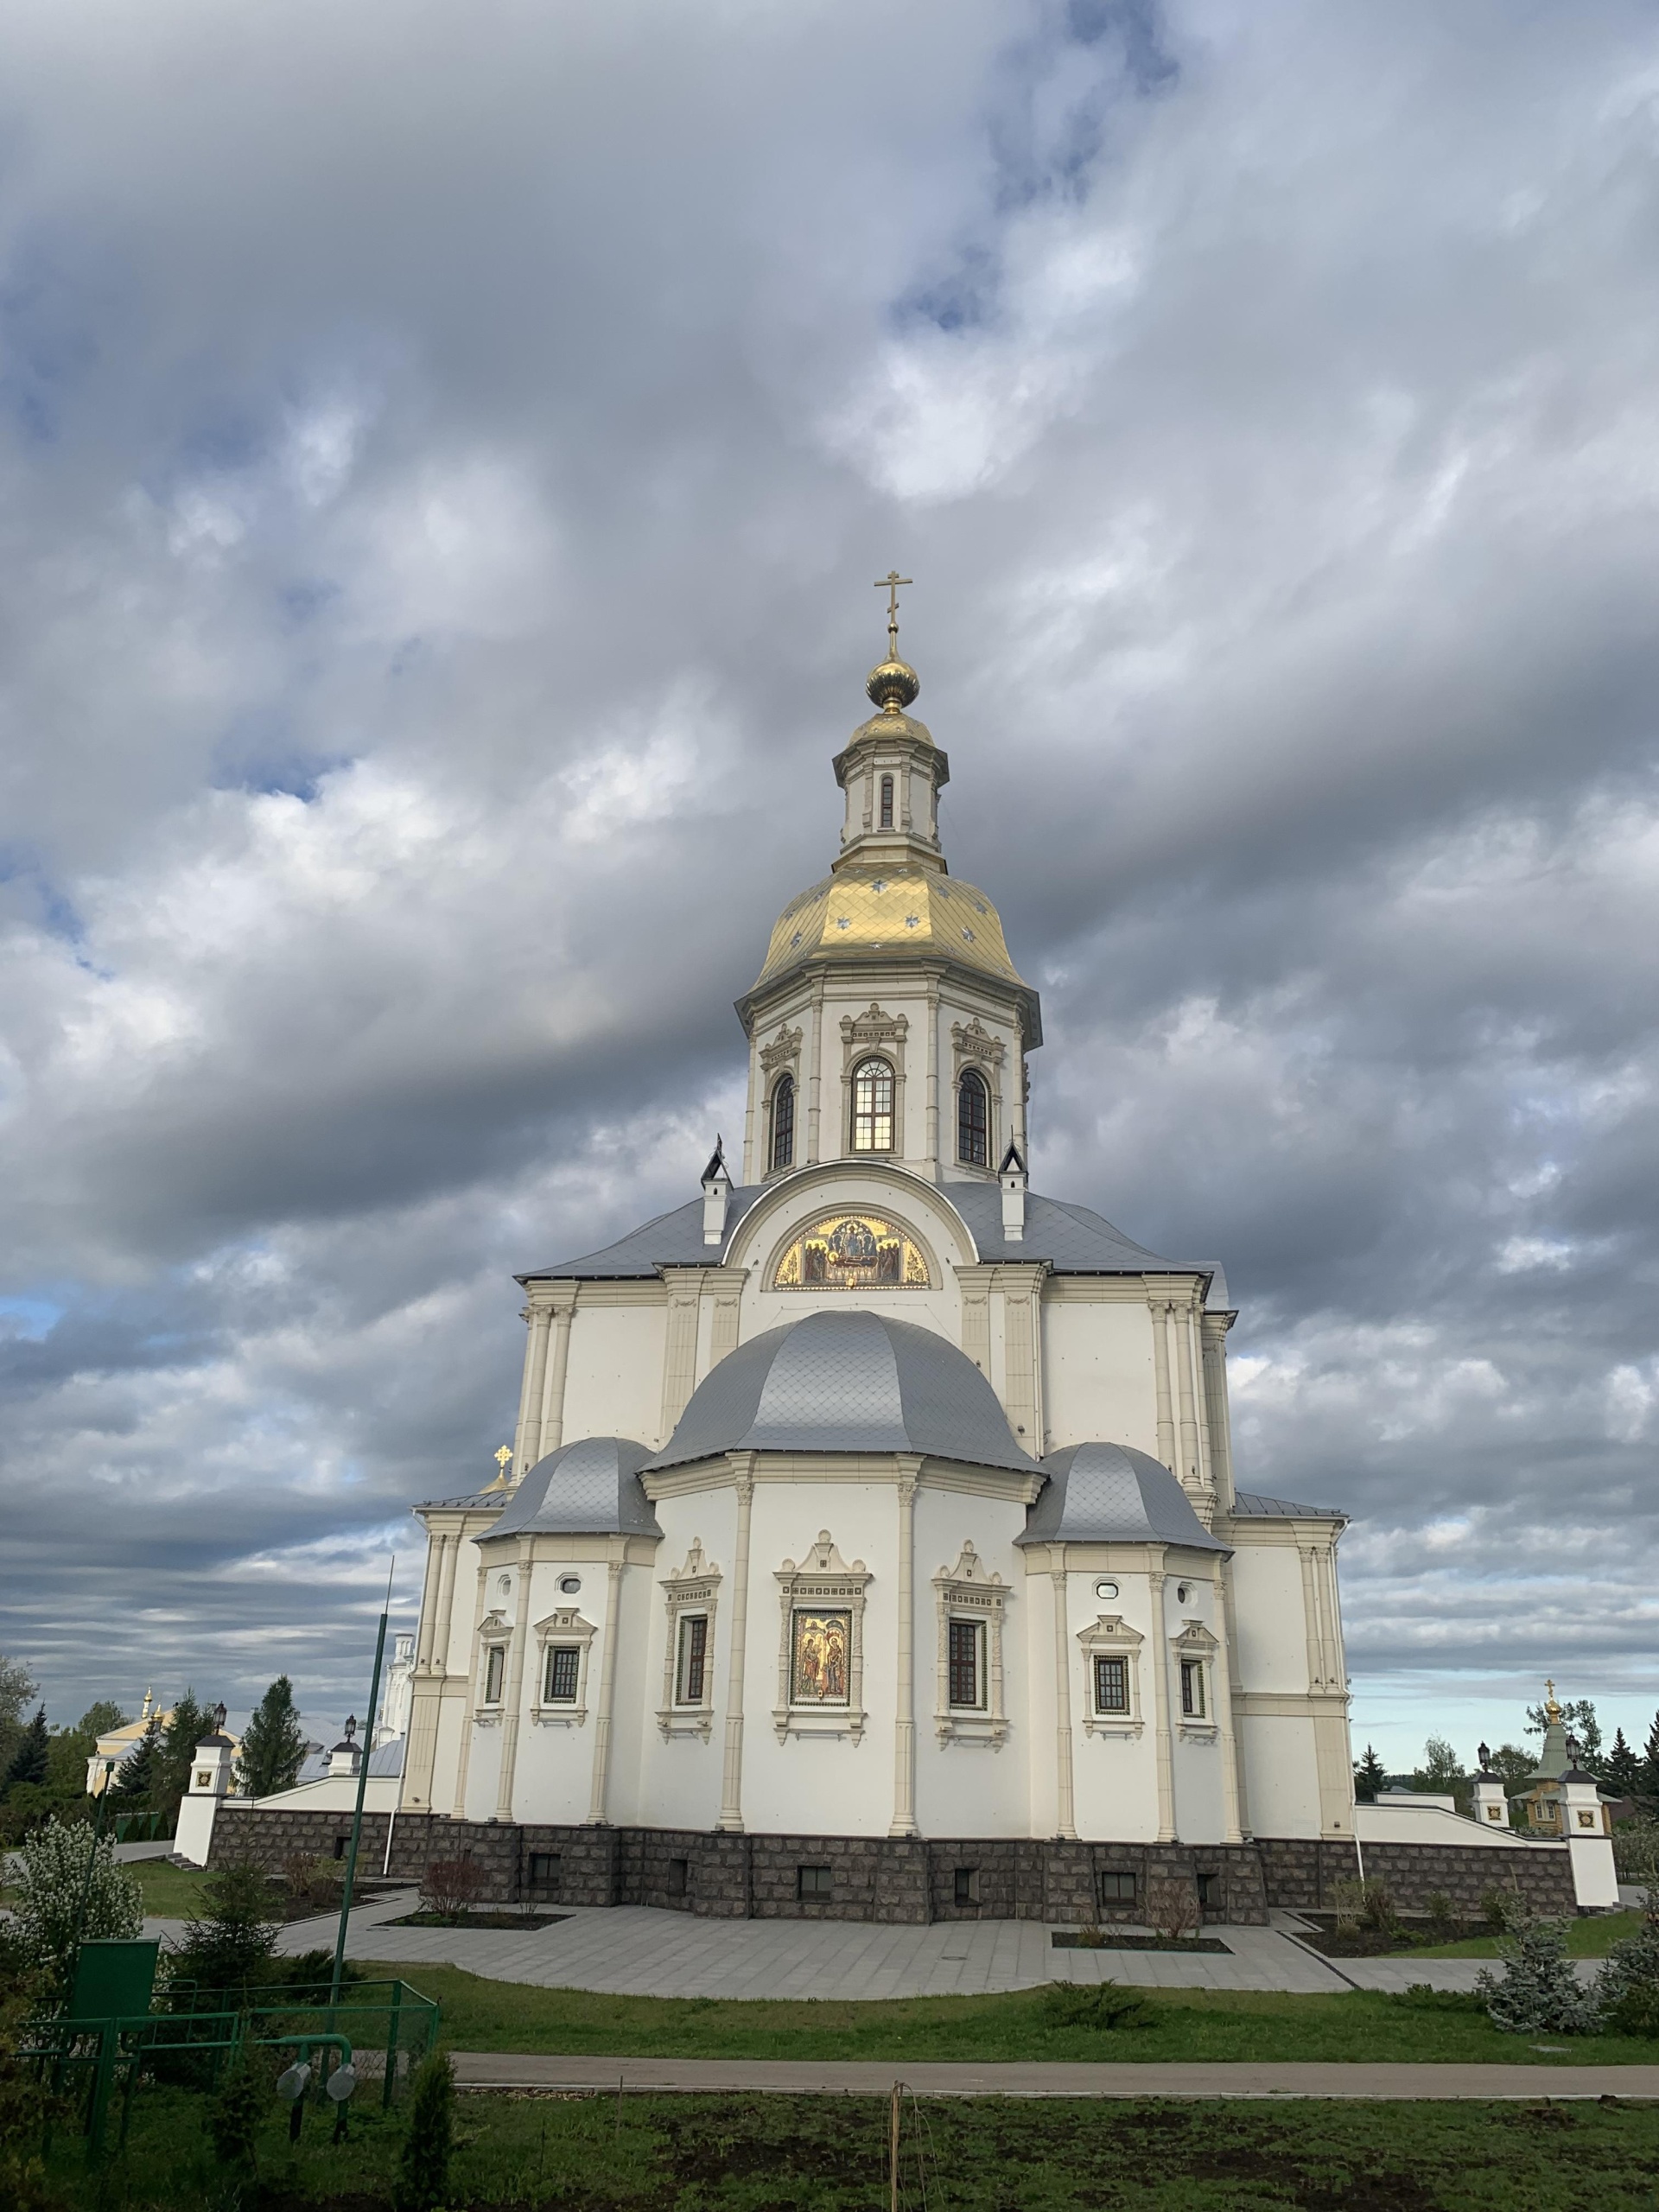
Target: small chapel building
point(872, 1543)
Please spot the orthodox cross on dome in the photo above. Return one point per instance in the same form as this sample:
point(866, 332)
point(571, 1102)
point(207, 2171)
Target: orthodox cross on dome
point(890, 584)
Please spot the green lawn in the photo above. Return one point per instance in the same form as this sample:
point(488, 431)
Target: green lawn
point(790, 2154)
point(484, 2015)
point(1591, 1937)
point(170, 1892)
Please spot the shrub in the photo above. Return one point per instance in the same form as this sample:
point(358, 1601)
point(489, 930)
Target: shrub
point(235, 2116)
point(1097, 2005)
point(1172, 1908)
point(1500, 1907)
point(1636, 1851)
point(1637, 2012)
point(1442, 1917)
point(54, 1880)
point(226, 1948)
point(314, 1881)
point(25, 2105)
point(1539, 1994)
point(449, 1885)
point(1365, 1904)
point(313, 1973)
point(1632, 1966)
point(423, 2166)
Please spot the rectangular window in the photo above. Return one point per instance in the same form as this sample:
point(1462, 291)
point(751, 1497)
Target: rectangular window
point(886, 802)
point(340, 1842)
point(967, 1887)
point(495, 1666)
point(693, 1659)
point(813, 1882)
point(967, 1674)
point(1192, 1688)
point(679, 1877)
point(1115, 1889)
point(564, 1673)
point(544, 1873)
point(1209, 1890)
point(1111, 1684)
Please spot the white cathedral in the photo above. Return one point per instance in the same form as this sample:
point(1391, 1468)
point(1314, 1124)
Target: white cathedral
point(871, 1504)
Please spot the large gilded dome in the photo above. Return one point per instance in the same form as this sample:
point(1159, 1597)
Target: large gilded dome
point(889, 913)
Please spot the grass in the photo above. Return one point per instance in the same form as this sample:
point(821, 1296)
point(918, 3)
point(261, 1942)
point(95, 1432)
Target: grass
point(528, 2153)
point(1590, 1937)
point(170, 1892)
point(1190, 2024)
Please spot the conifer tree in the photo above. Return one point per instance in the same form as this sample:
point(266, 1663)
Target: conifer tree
point(272, 1744)
point(424, 2167)
point(28, 1761)
point(138, 1773)
point(189, 1723)
point(1539, 1994)
point(1622, 1770)
point(1369, 1777)
point(1648, 1782)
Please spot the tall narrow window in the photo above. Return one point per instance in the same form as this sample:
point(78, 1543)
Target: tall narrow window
point(783, 1121)
point(873, 1106)
point(967, 1667)
point(973, 1120)
point(564, 1674)
point(886, 802)
point(1192, 1688)
point(1111, 1684)
point(495, 1666)
point(694, 1659)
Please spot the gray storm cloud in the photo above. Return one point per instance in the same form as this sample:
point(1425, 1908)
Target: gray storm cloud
point(445, 453)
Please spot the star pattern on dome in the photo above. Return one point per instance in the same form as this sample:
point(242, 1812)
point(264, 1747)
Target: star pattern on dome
point(844, 922)
point(913, 921)
point(969, 935)
point(881, 883)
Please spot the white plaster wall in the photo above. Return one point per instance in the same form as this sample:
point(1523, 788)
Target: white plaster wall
point(484, 1771)
point(613, 1385)
point(553, 1772)
point(1271, 1623)
point(963, 1788)
point(1282, 1777)
point(821, 1784)
point(1196, 1759)
point(1098, 1378)
point(1115, 1778)
point(1035, 1623)
point(676, 1783)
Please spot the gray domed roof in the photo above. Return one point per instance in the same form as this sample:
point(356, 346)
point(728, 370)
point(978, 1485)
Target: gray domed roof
point(846, 1382)
point(1110, 1493)
point(590, 1488)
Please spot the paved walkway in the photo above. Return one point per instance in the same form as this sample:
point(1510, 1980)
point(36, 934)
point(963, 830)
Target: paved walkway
point(635, 1951)
point(480, 2069)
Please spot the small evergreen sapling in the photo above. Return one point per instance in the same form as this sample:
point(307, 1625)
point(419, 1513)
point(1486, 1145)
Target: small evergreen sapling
point(1627, 1988)
point(1369, 1777)
point(28, 1761)
point(227, 1947)
point(1540, 1993)
point(423, 2167)
point(237, 2113)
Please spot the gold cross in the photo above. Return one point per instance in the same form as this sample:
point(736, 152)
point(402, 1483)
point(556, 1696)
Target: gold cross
point(502, 1457)
point(890, 582)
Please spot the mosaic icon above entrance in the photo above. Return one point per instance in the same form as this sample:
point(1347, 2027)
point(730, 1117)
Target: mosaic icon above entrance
point(852, 1251)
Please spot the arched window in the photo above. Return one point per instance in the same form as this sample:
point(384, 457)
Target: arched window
point(886, 802)
point(873, 1106)
point(783, 1121)
point(973, 1120)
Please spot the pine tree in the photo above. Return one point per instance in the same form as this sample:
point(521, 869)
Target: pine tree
point(1648, 1782)
point(424, 2167)
point(235, 2115)
point(189, 1723)
point(1369, 1777)
point(1622, 1771)
point(28, 1761)
point(17, 1686)
point(138, 1773)
point(1540, 1993)
point(272, 1744)
point(226, 1947)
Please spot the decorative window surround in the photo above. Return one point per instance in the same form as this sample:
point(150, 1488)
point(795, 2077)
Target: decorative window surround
point(880, 1034)
point(974, 1047)
point(495, 1634)
point(822, 1580)
point(965, 1592)
point(564, 1625)
point(693, 1588)
point(1109, 1636)
point(1198, 1647)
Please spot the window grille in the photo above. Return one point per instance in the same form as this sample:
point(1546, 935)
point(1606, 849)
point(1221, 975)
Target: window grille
point(564, 1674)
point(873, 1106)
point(1111, 1684)
point(783, 1123)
point(973, 1120)
point(886, 802)
point(967, 1684)
point(1192, 1688)
point(495, 1666)
point(694, 1657)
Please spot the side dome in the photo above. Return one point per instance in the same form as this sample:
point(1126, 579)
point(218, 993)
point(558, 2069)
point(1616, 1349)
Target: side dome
point(847, 1382)
point(590, 1488)
point(1112, 1494)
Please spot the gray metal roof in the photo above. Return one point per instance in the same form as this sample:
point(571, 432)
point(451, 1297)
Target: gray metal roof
point(846, 1381)
point(1110, 1493)
point(590, 1488)
point(1251, 1505)
point(1071, 1238)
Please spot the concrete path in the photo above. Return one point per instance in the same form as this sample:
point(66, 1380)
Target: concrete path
point(634, 1951)
point(479, 2069)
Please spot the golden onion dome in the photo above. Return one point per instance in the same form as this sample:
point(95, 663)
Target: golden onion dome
point(892, 684)
point(889, 913)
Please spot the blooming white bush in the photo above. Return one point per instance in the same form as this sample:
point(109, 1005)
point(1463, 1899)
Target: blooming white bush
point(54, 1881)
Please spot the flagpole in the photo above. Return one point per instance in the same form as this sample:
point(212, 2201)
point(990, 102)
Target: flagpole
point(362, 1786)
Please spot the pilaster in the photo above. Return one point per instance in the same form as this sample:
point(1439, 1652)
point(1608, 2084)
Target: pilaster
point(1064, 1779)
point(731, 1782)
point(616, 1567)
point(1160, 1711)
point(904, 1777)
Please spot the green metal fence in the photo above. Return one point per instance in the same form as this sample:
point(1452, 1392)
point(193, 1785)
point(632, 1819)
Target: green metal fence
point(380, 2028)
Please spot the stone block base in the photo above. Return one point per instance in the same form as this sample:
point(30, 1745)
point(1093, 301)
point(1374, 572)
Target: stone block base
point(885, 1879)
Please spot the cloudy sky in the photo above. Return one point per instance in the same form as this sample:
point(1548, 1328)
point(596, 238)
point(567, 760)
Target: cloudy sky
point(445, 451)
